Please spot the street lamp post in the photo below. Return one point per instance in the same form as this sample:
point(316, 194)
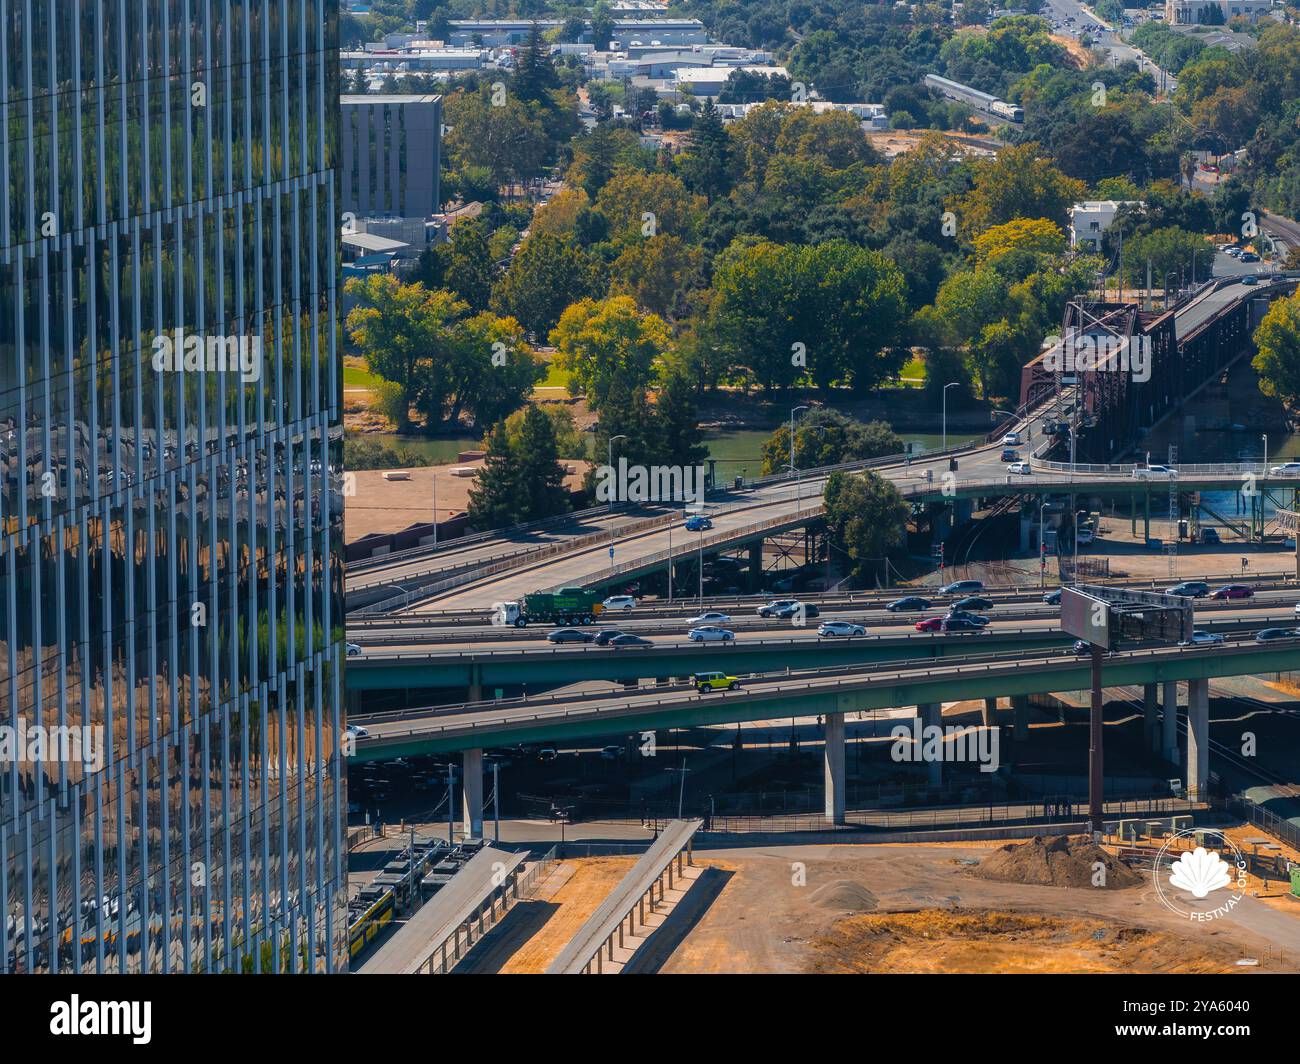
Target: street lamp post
point(1264, 471)
point(945, 412)
point(609, 462)
point(435, 509)
point(793, 468)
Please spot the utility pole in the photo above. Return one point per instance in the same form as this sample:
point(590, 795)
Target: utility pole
point(1096, 779)
point(496, 798)
point(451, 804)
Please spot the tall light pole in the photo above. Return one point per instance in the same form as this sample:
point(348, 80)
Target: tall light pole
point(792, 414)
point(1264, 471)
point(435, 509)
point(945, 412)
point(609, 462)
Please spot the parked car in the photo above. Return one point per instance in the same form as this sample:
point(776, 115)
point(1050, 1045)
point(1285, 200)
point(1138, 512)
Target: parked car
point(1267, 635)
point(771, 608)
point(1200, 638)
point(1052, 598)
point(1189, 589)
point(712, 617)
point(705, 682)
point(619, 602)
point(604, 636)
point(709, 633)
point(570, 635)
point(1153, 472)
point(627, 639)
point(1009, 454)
point(698, 523)
point(1233, 591)
point(838, 628)
point(907, 604)
point(962, 587)
point(1249, 256)
point(353, 649)
point(1286, 469)
point(930, 624)
point(973, 603)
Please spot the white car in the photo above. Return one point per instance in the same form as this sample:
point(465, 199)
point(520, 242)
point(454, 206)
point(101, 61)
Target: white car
point(358, 732)
point(1012, 439)
point(1203, 639)
point(710, 633)
point(619, 602)
point(1286, 469)
point(1297, 609)
point(353, 649)
point(1019, 468)
point(1154, 472)
point(710, 618)
point(834, 628)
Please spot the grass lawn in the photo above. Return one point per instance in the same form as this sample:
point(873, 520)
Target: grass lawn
point(555, 377)
point(356, 375)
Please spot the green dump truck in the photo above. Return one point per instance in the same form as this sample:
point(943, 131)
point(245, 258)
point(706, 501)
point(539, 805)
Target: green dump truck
point(569, 605)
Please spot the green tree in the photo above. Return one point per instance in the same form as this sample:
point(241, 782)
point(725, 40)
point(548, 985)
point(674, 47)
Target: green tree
point(541, 478)
point(469, 265)
point(827, 437)
point(1278, 360)
point(599, 341)
point(546, 275)
point(680, 441)
point(494, 499)
point(867, 518)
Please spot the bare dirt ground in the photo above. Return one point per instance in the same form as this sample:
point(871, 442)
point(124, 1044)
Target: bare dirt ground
point(811, 908)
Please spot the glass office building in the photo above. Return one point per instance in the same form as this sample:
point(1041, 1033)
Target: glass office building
point(171, 792)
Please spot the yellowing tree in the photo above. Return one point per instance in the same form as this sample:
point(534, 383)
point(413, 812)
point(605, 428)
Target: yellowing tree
point(600, 341)
point(1037, 235)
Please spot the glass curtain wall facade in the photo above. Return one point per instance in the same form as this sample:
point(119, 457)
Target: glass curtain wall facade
point(171, 788)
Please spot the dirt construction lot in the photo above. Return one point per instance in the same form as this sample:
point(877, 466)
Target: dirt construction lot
point(919, 908)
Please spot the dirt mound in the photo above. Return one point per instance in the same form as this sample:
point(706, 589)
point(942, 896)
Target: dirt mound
point(843, 895)
point(1059, 861)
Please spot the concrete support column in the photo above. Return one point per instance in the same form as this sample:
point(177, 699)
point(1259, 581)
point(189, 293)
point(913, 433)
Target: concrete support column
point(1198, 739)
point(756, 563)
point(472, 792)
point(833, 761)
point(475, 690)
point(989, 714)
point(1020, 704)
point(1169, 724)
point(931, 713)
point(1150, 717)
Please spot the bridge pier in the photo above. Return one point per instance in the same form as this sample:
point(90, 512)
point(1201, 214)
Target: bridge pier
point(472, 792)
point(1198, 739)
point(1150, 712)
point(756, 565)
point(989, 714)
point(833, 760)
point(1020, 703)
point(1169, 725)
point(931, 713)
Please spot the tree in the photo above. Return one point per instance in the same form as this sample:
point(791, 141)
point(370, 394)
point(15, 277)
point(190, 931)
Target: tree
point(705, 166)
point(1035, 235)
point(1018, 183)
point(534, 74)
point(658, 273)
point(680, 440)
point(499, 369)
point(469, 264)
point(1278, 360)
point(519, 482)
point(601, 341)
point(602, 25)
point(495, 495)
point(570, 442)
point(866, 516)
point(826, 437)
point(1170, 251)
point(547, 274)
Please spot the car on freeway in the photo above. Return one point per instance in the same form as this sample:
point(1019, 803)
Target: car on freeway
point(353, 649)
point(570, 635)
point(704, 682)
point(1286, 469)
point(1012, 439)
point(962, 624)
point(358, 732)
point(1250, 278)
point(1153, 472)
point(793, 609)
point(710, 633)
point(770, 609)
point(1267, 635)
point(712, 617)
point(1189, 589)
point(838, 628)
point(1020, 469)
point(977, 619)
point(1202, 639)
point(962, 587)
point(930, 624)
point(547, 753)
point(1233, 591)
point(907, 604)
point(619, 602)
point(1082, 647)
point(973, 603)
point(1010, 454)
point(627, 639)
point(698, 523)
point(1052, 598)
point(611, 753)
point(605, 635)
